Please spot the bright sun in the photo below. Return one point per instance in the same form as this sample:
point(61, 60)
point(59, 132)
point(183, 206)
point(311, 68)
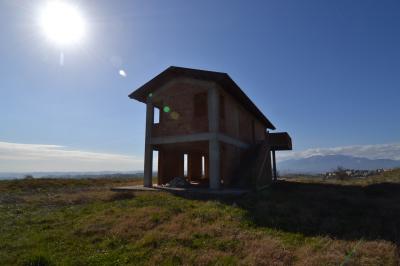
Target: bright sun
point(62, 23)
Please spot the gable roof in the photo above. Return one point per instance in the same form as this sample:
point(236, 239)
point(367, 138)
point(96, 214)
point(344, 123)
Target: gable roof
point(220, 78)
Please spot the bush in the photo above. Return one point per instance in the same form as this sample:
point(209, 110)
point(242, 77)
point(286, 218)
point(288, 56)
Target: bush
point(341, 173)
point(37, 260)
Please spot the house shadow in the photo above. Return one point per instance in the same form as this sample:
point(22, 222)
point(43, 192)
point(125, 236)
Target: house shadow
point(348, 212)
point(340, 211)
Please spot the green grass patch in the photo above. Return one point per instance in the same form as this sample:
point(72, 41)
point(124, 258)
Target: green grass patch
point(83, 223)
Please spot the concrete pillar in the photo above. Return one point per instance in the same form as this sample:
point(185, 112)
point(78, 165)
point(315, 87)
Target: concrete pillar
point(206, 168)
point(213, 109)
point(214, 145)
point(148, 148)
point(274, 164)
point(214, 164)
point(160, 167)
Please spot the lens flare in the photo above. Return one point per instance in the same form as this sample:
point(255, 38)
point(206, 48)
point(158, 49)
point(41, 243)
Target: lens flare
point(166, 109)
point(175, 115)
point(122, 73)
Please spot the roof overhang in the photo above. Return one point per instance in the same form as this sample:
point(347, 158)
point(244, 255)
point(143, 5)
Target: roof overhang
point(280, 141)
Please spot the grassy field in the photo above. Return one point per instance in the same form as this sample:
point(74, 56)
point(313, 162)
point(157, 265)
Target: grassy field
point(296, 222)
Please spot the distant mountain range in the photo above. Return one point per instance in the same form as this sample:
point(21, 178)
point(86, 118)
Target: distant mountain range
point(16, 175)
point(321, 164)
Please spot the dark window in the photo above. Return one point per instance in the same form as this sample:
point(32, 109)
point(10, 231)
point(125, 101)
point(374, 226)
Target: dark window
point(200, 104)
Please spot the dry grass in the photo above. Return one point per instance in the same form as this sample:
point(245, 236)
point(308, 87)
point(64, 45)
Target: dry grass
point(81, 222)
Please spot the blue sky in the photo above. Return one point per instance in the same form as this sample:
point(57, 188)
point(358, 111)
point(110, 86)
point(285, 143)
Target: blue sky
point(325, 71)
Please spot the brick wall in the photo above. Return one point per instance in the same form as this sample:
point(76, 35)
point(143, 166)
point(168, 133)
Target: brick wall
point(180, 118)
point(238, 122)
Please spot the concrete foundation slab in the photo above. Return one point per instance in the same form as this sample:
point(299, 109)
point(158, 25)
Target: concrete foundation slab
point(186, 191)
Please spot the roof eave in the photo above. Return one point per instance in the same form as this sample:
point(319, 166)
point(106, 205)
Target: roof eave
point(136, 97)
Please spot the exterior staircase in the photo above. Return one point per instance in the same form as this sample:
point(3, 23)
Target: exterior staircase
point(255, 167)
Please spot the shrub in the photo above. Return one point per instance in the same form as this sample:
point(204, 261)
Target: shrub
point(37, 260)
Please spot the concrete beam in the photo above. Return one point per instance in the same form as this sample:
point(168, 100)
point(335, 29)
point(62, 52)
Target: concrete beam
point(199, 137)
point(181, 138)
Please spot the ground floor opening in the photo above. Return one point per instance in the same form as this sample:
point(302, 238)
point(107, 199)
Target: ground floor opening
point(188, 160)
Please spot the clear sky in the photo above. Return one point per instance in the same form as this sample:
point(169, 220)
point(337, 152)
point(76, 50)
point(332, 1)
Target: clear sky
point(328, 72)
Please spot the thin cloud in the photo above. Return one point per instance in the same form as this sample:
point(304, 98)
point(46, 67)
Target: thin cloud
point(18, 157)
point(39, 157)
point(379, 151)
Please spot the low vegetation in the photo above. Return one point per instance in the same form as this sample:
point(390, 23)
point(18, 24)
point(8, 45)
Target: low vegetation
point(390, 176)
point(297, 222)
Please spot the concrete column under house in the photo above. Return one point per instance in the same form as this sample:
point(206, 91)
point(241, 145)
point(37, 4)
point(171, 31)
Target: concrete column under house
point(214, 145)
point(148, 147)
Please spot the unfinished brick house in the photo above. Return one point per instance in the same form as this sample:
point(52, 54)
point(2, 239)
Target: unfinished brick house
point(205, 117)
